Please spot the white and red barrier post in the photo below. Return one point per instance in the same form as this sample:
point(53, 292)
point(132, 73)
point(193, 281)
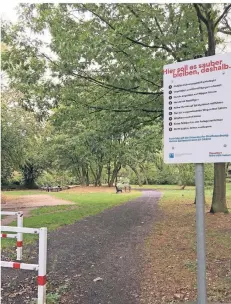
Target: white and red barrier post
point(42, 263)
point(42, 271)
point(19, 235)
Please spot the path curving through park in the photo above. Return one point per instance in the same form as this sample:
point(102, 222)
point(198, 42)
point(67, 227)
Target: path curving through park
point(97, 260)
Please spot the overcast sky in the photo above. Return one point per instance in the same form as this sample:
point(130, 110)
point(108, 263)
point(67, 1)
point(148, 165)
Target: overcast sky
point(8, 11)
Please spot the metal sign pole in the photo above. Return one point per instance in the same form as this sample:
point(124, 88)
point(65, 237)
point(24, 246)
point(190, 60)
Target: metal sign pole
point(200, 227)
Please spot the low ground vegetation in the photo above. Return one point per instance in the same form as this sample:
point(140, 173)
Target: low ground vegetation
point(88, 201)
point(169, 274)
point(170, 271)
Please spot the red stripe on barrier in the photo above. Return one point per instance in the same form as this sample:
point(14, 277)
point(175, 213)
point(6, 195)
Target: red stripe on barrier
point(19, 243)
point(16, 265)
point(4, 235)
point(41, 280)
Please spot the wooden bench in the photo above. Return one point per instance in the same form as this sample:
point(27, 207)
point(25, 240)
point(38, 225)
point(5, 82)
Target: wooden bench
point(53, 189)
point(127, 187)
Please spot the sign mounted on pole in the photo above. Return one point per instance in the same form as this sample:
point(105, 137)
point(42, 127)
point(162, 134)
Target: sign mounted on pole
point(197, 110)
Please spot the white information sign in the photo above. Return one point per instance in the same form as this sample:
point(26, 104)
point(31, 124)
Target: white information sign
point(197, 110)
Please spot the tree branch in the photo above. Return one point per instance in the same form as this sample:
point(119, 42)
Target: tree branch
point(153, 83)
point(131, 90)
point(200, 15)
point(103, 84)
point(226, 10)
point(201, 31)
point(138, 17)
point(226, 32)
point(101, 108)
point(126, 37)
point(164, 45)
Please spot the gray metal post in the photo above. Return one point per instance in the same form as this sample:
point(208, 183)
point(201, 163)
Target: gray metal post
point(200, 225)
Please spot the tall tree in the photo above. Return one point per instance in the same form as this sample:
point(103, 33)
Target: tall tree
point(12, 135)
point(210, 17)
point(113, 53)
point(113, 50)
point(22, 138)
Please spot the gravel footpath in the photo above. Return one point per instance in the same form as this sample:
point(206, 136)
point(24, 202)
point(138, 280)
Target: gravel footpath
point(108, 246)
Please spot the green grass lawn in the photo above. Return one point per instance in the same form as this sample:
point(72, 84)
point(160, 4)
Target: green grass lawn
point(93, 203)
point(189, 194)
point(56, 216)
point(161, 187)
point(86, 204)
point(171, 191)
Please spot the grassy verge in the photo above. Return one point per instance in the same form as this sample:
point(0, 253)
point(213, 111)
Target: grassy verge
point(56, 216)
point(188, 192)
point(161, 187)
point(170, 271)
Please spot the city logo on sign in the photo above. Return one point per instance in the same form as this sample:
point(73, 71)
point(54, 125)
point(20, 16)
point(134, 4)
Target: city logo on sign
point(171, 155)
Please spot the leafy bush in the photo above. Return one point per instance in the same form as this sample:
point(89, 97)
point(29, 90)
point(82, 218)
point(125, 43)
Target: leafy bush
point(46, 179)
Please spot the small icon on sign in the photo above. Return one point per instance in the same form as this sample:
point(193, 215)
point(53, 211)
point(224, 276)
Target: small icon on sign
point(170, 123)
point(170, 87)
point(170, 97)
point(170, 129)
point(170, 108)
point(170, 118)
point(170, 92)
point(170, 113)
point(171, 155)
point(225, 146)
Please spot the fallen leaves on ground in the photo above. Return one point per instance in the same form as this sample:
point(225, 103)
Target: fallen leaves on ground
point(170, 271)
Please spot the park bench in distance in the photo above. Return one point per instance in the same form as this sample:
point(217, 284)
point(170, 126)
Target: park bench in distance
point(118, 190)
point(54, 188)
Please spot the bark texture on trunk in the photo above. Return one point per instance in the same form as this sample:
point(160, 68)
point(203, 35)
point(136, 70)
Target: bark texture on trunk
point(219, 189)
point(115, 172)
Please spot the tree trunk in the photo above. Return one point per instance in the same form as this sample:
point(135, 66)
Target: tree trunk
point(137, 175)
point(114, 174)
point(30, 184)
point(29, 176)
point(78, 174)
point(100, 170)
point(87, 178)
point(219, 189)
point(145, 176)
point(97, 175)
point(146, 180)
point(108, 173)
point(94, 175)
point(83, 176)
